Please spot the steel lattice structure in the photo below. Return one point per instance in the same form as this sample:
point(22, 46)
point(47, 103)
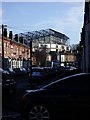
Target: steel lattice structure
point(41, 36)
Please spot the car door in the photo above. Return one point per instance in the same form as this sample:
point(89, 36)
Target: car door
point(59, 95)
point(70, 95)
point(73, 95)
point(80, 92)
point(65, 100)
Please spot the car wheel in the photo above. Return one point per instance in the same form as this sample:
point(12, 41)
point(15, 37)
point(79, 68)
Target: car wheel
point(39, 112)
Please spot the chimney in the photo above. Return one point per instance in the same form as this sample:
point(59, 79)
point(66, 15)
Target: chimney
point(21, 39)
point(16, 37)
point(5, 32)
point(10, 35)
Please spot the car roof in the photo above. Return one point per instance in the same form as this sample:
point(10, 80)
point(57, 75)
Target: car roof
point(37, 68)
point(62, 79)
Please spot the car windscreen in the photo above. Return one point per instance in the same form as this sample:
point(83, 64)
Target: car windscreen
point(67, 81)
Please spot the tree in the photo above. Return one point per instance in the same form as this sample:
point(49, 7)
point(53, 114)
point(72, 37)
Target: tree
point(41, 55)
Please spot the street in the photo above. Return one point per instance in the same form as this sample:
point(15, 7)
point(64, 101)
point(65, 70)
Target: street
point(44, 61)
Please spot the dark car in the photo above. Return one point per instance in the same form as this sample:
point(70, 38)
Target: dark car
point(11, 72)
point(18, 71)
point(8, 83)
point(38, 74)
point(66, 97)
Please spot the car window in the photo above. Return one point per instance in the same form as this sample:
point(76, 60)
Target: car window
point(75, 83)
point(36, 73)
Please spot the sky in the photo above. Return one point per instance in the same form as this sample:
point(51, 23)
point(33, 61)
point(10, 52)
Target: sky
point(65, 17)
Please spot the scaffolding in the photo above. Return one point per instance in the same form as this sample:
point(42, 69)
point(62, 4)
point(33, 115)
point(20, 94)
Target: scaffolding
point(42, 35)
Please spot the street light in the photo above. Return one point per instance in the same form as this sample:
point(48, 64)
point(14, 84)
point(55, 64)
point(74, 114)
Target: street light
point(30, 45)
point(31, 61)
point(3, 45)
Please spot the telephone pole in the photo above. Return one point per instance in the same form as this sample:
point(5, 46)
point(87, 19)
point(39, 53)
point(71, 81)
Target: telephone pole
point(31, 62)
point(3, 45)
point(29, 38)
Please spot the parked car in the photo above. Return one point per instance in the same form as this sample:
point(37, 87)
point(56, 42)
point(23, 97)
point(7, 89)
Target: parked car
point(20, 71)
point(37, 74)
point(11, 71)
point(8, 83)
point(28, 70)
point(50, 72)
point(66, 97)
point(70, 68)
point(24, 71)
point(17, 71)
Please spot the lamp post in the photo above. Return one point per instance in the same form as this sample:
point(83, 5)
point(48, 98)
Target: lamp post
point(3, 45)
point(83, 59)
point(29, 38)
point(31, 62)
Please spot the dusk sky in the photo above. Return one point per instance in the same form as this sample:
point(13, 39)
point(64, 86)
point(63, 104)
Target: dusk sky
point(65, 17)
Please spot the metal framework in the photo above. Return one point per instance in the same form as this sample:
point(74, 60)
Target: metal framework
point(41, 34)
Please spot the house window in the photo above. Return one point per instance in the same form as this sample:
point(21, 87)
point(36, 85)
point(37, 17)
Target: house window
point(61, 58)
point(62, 47)
point(0, 43)
point(11, 47)
point(67, 48)
point(4, 45)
